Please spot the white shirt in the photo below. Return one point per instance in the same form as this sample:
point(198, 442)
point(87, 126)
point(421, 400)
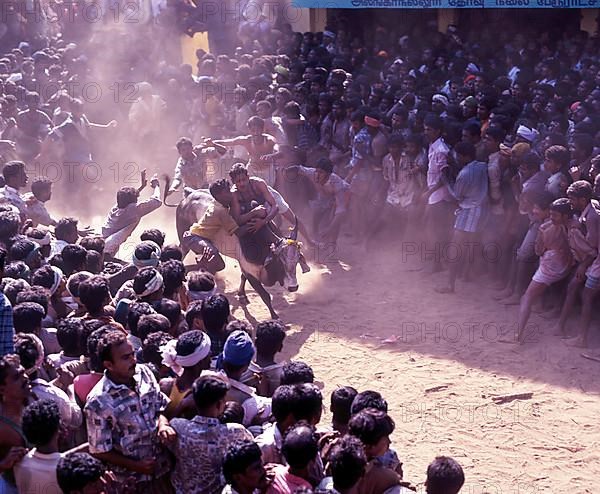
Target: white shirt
point(57, 246)
point(36, 473)
point(11, 196)
point(438, 160)
point(495, 181)
point(70, 413)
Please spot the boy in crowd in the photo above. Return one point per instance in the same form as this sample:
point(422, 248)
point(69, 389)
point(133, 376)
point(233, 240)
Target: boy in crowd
point(269, 342)
point(234, 361)
point(470, 191)
point(187, 357)
point(444, 476)
point(584, 232)
point(15, 391)
point(36, 473)
point(297, 372)
point(201, 443)
point(243, 469)
point(81, 473)
point(347, 463)
point(341, 404)
point(300, 450)
point(439, 206)
point(552, 245)
point(290, 404)
point(41, 193)
point(373, 428)
point(215, 315)
point(556, 159)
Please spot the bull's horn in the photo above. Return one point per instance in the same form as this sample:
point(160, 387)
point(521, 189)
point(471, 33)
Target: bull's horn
point(294, 232)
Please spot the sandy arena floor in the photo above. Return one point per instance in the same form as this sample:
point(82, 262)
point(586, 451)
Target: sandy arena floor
point(437, 359)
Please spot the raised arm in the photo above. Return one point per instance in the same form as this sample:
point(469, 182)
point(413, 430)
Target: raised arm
point(154, 202)
point(177, 179)
point(234, 141)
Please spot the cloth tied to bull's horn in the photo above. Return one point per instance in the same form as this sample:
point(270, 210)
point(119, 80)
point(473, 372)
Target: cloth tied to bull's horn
point(294, 231)
point(154, 284)
point(177, 362)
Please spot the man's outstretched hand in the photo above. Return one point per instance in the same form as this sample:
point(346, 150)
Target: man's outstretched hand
point(206, 257)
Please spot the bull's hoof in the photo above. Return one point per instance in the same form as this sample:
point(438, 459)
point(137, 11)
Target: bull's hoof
point(243, 298)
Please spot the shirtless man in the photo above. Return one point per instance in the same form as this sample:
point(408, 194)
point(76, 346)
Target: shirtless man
point(194, 163)
point(205, 237)
point(259, 146)
point(249, 192)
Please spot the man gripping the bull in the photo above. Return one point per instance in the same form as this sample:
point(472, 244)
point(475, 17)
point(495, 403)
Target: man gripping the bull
point(211, 235)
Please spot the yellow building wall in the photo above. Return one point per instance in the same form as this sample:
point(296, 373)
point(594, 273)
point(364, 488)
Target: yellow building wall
point(190, 45)
point(588, 20)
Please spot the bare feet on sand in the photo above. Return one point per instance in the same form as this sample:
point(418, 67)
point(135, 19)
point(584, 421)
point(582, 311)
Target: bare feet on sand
point(507, 292)
point(576, 342)
point(551, 314)
point(512, 300)
point(556, 330)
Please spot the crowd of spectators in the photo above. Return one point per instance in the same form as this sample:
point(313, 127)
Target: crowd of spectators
point(133, 376)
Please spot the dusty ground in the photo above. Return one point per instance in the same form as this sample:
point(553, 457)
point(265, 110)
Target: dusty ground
point(380, 325)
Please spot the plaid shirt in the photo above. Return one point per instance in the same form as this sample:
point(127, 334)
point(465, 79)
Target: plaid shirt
point(126, 421)
point(7, 330)
point(200, 450)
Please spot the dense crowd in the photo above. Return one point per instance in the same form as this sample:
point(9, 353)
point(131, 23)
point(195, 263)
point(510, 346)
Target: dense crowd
point(130, 375)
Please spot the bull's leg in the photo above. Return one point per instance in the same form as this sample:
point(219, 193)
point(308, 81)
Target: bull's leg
point(264, 295)
point(241, 293)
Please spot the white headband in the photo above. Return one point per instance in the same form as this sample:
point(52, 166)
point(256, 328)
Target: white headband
point(82, 279)
point(526, 133)
point(201, 295)
point(154, 256)
point(153, 285)
point(58, 276)
point(178, 362)
point(40, 358)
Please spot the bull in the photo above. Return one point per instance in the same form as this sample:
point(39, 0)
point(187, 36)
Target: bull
point(280, 263)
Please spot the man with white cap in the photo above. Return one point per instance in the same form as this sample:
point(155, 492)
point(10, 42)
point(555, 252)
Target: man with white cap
point(187, 357)
point(329, 41)
point(439, 103)
point(526, 134)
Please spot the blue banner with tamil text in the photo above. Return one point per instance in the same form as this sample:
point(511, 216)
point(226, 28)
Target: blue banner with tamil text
point(447, 4)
